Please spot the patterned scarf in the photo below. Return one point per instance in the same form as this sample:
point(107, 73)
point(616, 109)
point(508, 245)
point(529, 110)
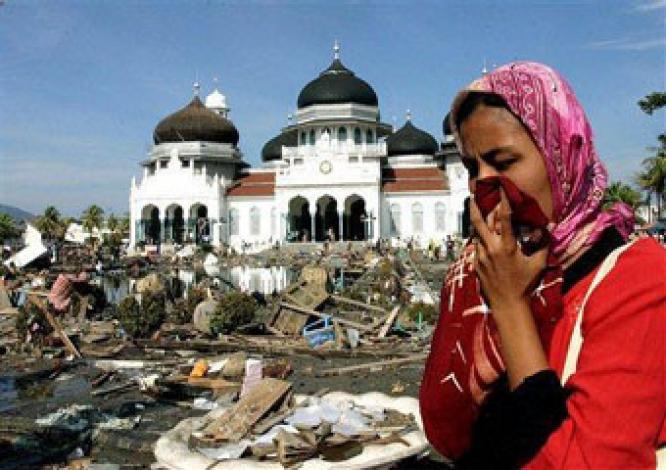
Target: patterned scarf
point(547, 106)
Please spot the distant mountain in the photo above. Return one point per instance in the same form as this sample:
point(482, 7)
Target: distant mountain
point(16, 213)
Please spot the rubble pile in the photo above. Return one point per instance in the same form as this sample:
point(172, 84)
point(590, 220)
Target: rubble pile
point(130, 351)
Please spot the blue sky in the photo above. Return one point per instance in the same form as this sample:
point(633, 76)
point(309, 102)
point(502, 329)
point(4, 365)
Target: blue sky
point(83, 83)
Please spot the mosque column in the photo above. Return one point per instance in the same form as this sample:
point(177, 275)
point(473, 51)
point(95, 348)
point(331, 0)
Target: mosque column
point(313, 218)
point(162, 229)
point(341, 218)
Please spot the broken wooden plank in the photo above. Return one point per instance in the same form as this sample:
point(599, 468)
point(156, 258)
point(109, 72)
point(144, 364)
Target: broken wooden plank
point(236, 422)
point(356, 303)
point(305, 311)
point(55, 325)
point(371, 366)
point(389, 322)
point(204, 382)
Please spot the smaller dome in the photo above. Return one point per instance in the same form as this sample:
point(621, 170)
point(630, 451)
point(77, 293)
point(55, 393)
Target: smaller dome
point(273, 148)
point(337, 84)
point(216, 100)
point(195, 123)
point(446, 125)
point(410, 140)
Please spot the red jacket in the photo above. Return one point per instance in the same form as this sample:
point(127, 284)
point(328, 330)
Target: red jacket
point(618, 402)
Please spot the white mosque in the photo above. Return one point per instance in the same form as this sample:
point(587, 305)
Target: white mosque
point(336, 172)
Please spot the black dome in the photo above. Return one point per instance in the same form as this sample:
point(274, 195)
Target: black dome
point(273, 148)
point(195, 122)
point(410, 140)
point(446, 125)
point(337, 84)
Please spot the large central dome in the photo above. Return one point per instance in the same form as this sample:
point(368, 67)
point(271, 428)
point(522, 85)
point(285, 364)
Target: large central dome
point(337, 84)
point(193, 123)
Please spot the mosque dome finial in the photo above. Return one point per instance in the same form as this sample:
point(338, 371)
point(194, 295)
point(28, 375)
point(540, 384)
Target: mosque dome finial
point(336, 50)
point(196, 87)
point(408, 115)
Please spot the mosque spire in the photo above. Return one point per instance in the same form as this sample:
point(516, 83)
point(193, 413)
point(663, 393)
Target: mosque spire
point(484, 70)
point(196, 87)
point(336, 50)
point(215, 81)
point(408, 115)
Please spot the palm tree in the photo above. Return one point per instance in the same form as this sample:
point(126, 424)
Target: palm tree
point(112, 223)
point(92, 218)
point(620, 192)
point(50, 224)
point(7, 227)
point(124, 225)
point(653, 178)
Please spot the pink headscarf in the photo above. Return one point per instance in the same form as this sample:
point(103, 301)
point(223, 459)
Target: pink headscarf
point(547, 106)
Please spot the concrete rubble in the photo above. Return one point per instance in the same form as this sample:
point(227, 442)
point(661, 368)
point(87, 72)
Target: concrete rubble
point(104, 355)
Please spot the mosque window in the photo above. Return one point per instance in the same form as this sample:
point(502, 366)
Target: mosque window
point(151, 168)
point(163, 163)
point(370, 137)
point(303, 138)
point(358, 139)
point(395, 220)
point(440, 217)
point(233, 222)
point(312, 137)
point(255, 221)
point(342, 134)
point(417, 217)
point(185, 163)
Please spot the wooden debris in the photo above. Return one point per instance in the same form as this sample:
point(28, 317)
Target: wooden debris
point(234, 424)
point(389, 322)
point(356, 303)
point(305, 311)
point(55, 325)
point(371, 366)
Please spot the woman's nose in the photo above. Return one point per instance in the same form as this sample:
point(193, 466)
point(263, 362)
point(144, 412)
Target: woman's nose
point(486, 171)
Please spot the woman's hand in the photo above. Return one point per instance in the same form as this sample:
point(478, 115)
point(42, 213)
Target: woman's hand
point(506, 274)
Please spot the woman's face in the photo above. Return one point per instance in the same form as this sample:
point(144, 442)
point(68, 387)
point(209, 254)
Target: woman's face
point(495, 143)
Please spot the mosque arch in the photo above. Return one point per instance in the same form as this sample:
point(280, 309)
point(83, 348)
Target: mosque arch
point(358, 137)
point(440, 217)
point(299, 220)
point(255, 221)
point(312, 137)
point(370, 136)
point(327, 221)
point(355, 218)
point(199, 223)
point(233, 221)
point(174, 223)
point(417, 217)
point(342, 134)
point(395, 219)
point(151, 224)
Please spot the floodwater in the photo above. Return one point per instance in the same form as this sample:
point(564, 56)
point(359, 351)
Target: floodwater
point(245, 278)
point(13, 391)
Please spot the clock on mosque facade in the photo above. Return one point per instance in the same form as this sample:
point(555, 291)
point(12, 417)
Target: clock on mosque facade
point(325, 167)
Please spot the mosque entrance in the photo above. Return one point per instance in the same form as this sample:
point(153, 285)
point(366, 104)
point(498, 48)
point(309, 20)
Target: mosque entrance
point(175, 224)
point(355, 218)
point(327, 224)
point(299, 220)
point(151, 223)
point(199, 223)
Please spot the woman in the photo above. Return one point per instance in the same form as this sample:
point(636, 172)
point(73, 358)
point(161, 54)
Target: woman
point(491, 395)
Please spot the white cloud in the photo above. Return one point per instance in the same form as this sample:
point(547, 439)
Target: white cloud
point(651, 5)
point(628, 44)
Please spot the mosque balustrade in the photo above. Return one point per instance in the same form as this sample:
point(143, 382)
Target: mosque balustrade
point(336, 147)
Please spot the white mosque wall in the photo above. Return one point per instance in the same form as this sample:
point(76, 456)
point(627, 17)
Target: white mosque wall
point(420, 216)
point(256, 225)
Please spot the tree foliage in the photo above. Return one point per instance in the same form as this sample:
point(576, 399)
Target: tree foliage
point(650, 103)
point(92, 218)
point(8, 227)
point(50, 224)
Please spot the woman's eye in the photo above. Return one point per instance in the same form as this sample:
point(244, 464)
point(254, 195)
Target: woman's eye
point(504, 164)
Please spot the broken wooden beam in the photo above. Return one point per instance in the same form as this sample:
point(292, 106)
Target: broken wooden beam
point(371, 366)
point(386, 327)
point(55, 325)
point(314, 313)
point(356, 303)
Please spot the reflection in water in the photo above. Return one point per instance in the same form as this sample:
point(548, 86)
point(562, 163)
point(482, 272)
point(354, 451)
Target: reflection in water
point(247, 279)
